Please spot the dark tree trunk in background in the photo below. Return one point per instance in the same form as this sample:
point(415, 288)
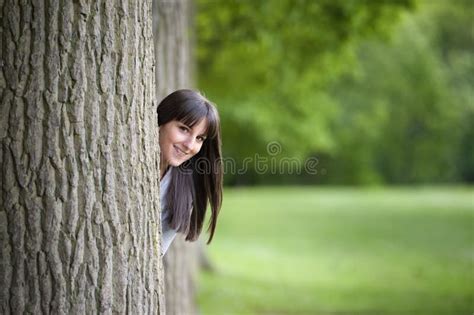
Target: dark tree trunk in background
point(180, 274)
point(79, 215)
point(171, 20)
point(173, 71)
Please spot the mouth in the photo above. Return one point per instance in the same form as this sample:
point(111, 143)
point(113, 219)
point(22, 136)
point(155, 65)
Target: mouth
point(180, 152)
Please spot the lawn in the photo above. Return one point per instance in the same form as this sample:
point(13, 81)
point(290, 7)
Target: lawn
point(342, 251)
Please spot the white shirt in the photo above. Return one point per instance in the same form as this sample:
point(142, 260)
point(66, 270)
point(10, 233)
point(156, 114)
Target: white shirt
point(167, 233)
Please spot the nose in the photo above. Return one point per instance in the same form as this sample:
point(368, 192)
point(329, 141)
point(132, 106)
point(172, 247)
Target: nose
point(189, 144)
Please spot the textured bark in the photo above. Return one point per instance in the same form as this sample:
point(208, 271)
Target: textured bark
point(174, 69)
point(180, 274)
point(171, 20)
point(79, 221)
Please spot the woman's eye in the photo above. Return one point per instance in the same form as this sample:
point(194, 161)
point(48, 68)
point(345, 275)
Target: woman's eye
point(183, 128)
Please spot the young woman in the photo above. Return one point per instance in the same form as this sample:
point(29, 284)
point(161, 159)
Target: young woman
point(190, 165)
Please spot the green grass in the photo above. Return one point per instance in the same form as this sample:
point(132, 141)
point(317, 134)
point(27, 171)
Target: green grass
point(342, 251)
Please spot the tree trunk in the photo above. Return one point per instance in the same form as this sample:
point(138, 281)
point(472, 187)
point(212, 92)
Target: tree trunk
point(180, 274)
point(172, 45)
point(174, 71)
point(79, 221)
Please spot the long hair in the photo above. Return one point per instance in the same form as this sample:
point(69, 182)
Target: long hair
point(197, 182)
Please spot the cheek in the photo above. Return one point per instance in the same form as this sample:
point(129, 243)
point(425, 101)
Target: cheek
point(197, 149)
point(163, 136)
point(166, 138)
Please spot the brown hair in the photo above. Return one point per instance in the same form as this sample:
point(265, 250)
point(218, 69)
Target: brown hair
point(198, 181)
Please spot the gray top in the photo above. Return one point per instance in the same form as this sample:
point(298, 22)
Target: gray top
point(167, 233)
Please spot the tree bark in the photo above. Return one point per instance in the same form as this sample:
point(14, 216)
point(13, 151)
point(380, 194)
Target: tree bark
point(174, 71)
point(171, 21)
point(79, 221)
point(180, 274)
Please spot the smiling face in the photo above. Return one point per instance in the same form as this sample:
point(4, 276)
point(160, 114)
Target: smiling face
point(179, 142)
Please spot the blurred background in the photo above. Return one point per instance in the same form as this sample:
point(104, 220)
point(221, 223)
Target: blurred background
point(348, 149)
point(379, 91)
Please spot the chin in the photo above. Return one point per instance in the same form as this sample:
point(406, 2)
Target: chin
point(176, 163)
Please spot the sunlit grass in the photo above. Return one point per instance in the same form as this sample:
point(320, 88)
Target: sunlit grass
point(342, 251)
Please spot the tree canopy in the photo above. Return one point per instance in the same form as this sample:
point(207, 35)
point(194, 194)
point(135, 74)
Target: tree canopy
point(370, 86)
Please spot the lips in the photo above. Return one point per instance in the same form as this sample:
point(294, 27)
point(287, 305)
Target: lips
point(180, 152)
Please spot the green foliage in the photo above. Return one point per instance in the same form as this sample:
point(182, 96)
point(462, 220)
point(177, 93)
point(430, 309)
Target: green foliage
point(453, 39)
point(407, 112)
point(264, 62)
point(342, 251)
point(378, 98)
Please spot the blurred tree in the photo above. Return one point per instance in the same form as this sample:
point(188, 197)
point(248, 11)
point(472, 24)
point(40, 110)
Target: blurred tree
point(407, 111)
point(452, 35)
point(173, 72)
point(266, 63)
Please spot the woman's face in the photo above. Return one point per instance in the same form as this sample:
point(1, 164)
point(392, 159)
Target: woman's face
point(179, 142)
